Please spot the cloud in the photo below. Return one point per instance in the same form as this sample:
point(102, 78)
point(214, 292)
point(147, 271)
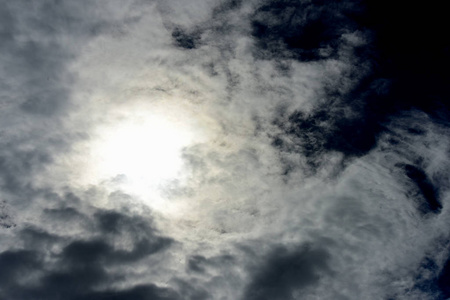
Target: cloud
point(284, 275)
point(317, 166)
point(57, 265)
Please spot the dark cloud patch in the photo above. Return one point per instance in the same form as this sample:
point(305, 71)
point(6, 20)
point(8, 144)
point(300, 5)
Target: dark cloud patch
point(286, 271)
point(426, 279)
point(302, 30)
point(433, 280)
point(190, 292)
point(17, 264)
point(46, 104)
point(324, 131)
point(111, 221)
point(334, 126)
point(141, 292)
point(65, 213)
point(201, 264)
point(116, 223)
point(38, 239)
point(81, 253)
point(196, 263)
point(65, 291)
point(6, 220)
point(443, 280)
point(17, 165)
point(226, 6)
point(425, 188)
point(7, 25)
point(184, 39)
point(81, 266)
point(346, 121)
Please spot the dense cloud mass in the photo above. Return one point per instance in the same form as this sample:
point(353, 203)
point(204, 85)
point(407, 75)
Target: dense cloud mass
point(224, 149)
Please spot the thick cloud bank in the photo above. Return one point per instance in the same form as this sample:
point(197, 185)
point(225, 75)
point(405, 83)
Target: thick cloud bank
point(224, 149)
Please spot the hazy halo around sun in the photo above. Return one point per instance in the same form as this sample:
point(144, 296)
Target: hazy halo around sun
point(143, 146)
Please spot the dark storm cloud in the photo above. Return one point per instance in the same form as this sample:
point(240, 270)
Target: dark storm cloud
point(80, 267)
point(286, 272)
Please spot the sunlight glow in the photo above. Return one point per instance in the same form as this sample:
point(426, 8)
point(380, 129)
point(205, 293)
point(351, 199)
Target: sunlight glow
point(148, 152)
point(143, 150)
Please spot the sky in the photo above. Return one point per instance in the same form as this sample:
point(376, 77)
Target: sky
point(224, 149)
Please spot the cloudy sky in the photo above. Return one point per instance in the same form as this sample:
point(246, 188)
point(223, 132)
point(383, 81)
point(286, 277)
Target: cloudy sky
point(224, 149)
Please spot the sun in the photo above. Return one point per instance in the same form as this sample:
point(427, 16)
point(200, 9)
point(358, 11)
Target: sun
point(148, 151)
point(144, 148)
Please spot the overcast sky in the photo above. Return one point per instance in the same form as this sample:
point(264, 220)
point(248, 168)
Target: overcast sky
point(224, 149)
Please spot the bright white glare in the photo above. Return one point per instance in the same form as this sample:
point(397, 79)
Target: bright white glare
point(146, 150)
point(149, 152)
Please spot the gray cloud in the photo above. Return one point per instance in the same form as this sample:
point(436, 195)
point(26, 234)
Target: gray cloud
point(284, 275)
point(57, 265)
